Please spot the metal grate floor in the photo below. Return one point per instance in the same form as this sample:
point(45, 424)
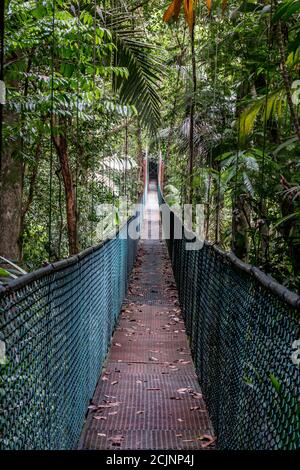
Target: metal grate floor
point(148, 396)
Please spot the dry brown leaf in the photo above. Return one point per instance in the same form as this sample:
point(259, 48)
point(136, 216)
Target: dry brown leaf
point(109, 405)
point(197, 395)
point(209, 440)
point(116, 440)
point(92, 407)
point(182, 390)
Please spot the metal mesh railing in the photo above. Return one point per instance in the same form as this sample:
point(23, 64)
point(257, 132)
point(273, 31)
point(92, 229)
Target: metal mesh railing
point(56, 325)
point(243, 327)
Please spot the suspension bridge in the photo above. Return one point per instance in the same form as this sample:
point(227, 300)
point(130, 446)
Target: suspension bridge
point(95, 356)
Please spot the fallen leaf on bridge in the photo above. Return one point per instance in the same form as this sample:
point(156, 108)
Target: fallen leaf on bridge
point(116, 440)
point(92, 407)
point(182, 390)
point(197, 395)
point(209, 440)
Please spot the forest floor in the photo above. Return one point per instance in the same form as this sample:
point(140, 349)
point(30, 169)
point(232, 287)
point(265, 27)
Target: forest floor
point(148, 396)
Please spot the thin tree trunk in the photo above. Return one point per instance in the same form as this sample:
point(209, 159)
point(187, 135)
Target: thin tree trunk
point(240, 226)
point(218, 205)
point(61, 218)
point(172, 124)
point(140, 152)
point(192, 115)
point(240, 217)
point(126, 157)
point(32, 182)
point(61, 145)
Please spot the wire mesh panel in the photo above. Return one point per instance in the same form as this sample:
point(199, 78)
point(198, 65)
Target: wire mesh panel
point(243, 329)
point(56, 326)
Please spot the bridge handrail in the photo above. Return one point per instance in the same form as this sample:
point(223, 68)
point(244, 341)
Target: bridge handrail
point(244, 335)
point(292, 298)
point(56, 328)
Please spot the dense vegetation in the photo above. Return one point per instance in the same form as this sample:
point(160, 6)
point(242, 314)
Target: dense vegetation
point(213, 86)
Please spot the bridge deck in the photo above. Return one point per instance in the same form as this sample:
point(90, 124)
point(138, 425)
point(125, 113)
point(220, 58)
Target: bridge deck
point(148, 396)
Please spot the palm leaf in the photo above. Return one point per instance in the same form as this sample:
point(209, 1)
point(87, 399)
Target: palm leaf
point(266, 106)
point(140, 89)
point(248, 184)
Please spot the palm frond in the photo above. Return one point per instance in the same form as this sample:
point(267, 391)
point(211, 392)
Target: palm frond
point(140, 89)
point(266, 106)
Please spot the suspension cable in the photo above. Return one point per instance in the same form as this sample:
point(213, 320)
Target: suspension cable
point(77, 111)
point(211, 148)
point(262, 208)
point(262, 187)
point(2, 85)
point(94, 121)
point(51, 136)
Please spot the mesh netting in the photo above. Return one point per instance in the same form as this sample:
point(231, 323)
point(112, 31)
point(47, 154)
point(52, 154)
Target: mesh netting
point(242, 327)
point(56, 325)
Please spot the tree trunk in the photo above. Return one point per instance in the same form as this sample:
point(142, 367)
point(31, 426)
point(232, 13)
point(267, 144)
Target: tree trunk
point(240, 218)
point(240, 208)
point(32, 182)
point(176, 95)
point(192, 115)
point(219, 203)
point(61, 145)
point(11, 189)
point(140, 153)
